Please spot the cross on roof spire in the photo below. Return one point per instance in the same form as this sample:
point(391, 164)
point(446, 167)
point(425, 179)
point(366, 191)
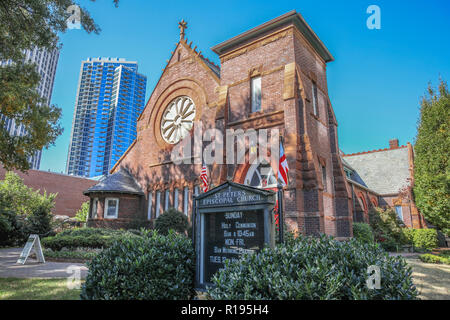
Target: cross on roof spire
point(182, 25)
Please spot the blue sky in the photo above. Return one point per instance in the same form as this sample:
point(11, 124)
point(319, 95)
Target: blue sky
point(375, 83)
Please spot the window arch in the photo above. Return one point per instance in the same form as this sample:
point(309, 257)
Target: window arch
point(261, 175)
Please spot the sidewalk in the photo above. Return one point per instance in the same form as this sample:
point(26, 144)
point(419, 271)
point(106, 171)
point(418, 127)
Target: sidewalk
point(32, 269)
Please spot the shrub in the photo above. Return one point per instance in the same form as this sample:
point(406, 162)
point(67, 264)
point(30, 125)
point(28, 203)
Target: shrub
point(446, 231)
point(40, 220)
point(314, 268)
point(70, 255)
point(363, 232)
point(150, 267)
point(23, 211)
point(137, 224)
point(386, 226)
point(95, 238)
point(431, 258)
point(441, 239)
point(171, 219)
point(83, 212)
point(11, 228)
point(422, 238)
point(86, 232)
point(389, 244)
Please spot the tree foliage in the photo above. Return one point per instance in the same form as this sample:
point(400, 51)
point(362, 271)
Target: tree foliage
point(172, 219)
point(432, 152)
point(82, 213)
point(26, 24)
point(23, 211)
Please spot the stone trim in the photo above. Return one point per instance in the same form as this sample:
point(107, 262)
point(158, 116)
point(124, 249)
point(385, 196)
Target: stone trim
point(255, 116)
point(262, 74)
point(257, 43)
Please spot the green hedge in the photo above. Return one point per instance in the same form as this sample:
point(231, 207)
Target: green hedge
point(422, 238)
point(172, 219)
point(363, 232)
point(150, 267)
point(314, 268)
point(431, 258)
point(78, 255)
point(84, 238)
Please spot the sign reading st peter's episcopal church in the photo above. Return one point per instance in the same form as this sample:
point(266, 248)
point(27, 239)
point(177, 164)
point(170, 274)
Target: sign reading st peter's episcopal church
point(231, 220)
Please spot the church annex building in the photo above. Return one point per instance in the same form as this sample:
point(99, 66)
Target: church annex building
point(272, 76)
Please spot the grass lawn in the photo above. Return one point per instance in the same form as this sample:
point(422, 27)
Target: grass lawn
point(36, 289)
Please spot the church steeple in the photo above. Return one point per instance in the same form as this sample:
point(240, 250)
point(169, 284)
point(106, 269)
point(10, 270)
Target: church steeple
point(182, 25)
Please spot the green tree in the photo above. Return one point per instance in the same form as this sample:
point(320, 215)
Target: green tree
point(172, 219)
point(21, 199)
point(432, 151)
point(25, 24)
point(23, 211)
point(82, 213)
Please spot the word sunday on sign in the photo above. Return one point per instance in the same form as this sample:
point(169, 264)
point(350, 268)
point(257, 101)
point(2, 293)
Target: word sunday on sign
point(230, 220)
point(32, 242)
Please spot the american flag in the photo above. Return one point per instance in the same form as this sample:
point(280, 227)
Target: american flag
point(283, 168)
point(204, 177)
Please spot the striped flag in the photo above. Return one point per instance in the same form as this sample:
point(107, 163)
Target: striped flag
point(204, 177)
point(283, 168)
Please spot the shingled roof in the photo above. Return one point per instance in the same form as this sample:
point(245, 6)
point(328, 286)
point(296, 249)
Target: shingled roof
point(214, 68)
point(383, 171)
point(120, 182)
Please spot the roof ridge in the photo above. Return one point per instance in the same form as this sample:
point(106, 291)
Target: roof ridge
point(208, 63)
point(199, 53)
point(373, 151)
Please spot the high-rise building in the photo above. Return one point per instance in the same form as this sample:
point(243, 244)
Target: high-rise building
point(46, 63)
point(110, 98)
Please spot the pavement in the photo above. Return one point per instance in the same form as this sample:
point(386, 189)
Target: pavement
point(32, 269)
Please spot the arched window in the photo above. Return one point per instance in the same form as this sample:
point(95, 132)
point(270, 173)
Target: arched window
point(261, 176)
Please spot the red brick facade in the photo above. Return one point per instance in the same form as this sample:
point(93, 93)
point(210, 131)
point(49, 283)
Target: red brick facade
point(69, 189)
point(288, 65)
point(131, 209)
point(364, 198)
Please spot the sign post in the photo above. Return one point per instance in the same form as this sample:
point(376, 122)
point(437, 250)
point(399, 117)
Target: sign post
point(32, 242)
point(230, 220)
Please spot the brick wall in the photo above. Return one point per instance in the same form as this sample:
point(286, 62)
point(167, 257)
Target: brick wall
point(70, 189)
point(130, 210)
point(288, 66)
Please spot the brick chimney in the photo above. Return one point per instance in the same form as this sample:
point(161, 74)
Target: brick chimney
point(393, 144)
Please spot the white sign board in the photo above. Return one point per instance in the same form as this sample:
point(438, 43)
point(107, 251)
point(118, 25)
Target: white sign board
point(33, 242)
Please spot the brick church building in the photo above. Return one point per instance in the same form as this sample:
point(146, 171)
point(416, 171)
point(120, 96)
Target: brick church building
point(272, 76)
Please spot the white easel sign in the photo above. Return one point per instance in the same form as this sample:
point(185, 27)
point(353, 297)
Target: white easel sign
point(33, 242)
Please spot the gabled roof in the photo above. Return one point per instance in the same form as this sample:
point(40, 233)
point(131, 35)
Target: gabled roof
point(292, 17)
point(383, 171)
point(214, 68)
point(204, 62)
point(120, 182)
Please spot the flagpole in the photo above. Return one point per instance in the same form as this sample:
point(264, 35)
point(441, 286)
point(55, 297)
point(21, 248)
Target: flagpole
point(280, 213)
point(280, 204)
point(194, 218)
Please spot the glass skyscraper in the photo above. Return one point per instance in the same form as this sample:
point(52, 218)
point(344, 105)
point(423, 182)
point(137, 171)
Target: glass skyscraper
point(110, 98)
point(46, 63)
